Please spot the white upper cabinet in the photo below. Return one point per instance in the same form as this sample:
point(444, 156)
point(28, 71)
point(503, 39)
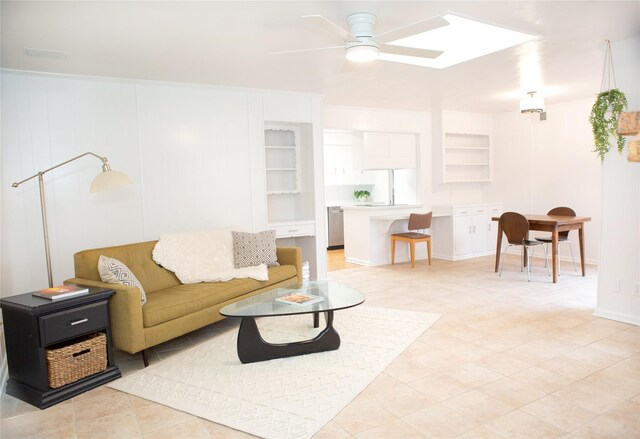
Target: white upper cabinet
point(344, 159)
point(389, 151)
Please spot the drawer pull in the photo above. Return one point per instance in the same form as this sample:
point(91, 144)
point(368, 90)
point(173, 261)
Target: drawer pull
point(292, 230)
point(77, 322)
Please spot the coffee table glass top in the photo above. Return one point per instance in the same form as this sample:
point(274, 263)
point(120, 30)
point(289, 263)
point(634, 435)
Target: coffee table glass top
point(336, 296)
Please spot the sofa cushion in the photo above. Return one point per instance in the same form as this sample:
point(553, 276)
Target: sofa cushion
point(178, 301)
point(112, 271)
point(251, 249)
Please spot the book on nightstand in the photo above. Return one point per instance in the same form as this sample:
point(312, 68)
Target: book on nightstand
point(61, 292)
point(299, 299)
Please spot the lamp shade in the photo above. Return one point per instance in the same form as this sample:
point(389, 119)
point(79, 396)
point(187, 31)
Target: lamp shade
point(362, 53)
point(532, 103)
point(108, 179)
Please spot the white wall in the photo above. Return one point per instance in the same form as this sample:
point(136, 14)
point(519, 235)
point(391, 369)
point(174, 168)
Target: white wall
point(187, 149)
point(619, 274)
point(540, 165)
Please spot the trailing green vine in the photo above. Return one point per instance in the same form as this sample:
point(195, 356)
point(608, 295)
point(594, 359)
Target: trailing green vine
point(602, 126)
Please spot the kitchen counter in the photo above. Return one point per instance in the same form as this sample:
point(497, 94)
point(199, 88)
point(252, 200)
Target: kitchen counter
point(377, 207)
point(367, 230)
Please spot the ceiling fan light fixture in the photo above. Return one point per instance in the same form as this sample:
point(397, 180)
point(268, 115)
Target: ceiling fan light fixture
point(532, 103)
point(362, 53)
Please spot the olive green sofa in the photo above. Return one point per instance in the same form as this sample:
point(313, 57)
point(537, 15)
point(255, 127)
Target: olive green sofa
point(172, 309)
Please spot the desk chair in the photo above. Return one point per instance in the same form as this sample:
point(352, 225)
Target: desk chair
point(562, 236)
point(516, 227)
point(420, 222)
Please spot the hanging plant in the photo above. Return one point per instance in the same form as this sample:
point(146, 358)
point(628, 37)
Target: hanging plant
point(612, 102)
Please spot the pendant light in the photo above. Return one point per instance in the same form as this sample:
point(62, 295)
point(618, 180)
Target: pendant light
point(532, 103)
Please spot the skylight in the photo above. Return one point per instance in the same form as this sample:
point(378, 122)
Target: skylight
point(462, 40)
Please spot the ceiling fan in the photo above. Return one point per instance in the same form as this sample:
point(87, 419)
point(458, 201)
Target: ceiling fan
point(361, 44)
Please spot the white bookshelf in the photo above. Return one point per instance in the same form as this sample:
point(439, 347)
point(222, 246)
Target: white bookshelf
point(290, 196)
point(467, 157)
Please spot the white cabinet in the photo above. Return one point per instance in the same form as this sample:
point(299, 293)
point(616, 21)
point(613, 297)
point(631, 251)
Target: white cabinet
point(466, 232)
point(343, 159)
point(389, 151)
point(467, 157)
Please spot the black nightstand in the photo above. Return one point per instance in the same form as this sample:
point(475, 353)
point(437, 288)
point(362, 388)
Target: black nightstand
point(32, 324)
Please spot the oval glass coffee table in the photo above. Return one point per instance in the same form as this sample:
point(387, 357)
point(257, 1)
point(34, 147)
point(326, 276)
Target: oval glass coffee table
point(252, 347)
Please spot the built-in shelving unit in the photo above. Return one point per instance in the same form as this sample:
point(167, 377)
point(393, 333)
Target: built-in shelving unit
point(467, 157)
point(290, 196)
point(282, 159)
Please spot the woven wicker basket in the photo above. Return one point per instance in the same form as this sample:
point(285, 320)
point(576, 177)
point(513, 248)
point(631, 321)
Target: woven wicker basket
point(85, 357)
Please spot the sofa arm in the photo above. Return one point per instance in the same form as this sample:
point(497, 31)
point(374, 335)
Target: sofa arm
point(125, 314)
point(291, 256)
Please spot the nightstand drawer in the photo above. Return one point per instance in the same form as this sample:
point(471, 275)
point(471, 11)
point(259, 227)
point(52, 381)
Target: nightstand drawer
point(72, 322)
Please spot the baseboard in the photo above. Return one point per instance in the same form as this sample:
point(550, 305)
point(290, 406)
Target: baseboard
point(618, 317)
point(358, 261)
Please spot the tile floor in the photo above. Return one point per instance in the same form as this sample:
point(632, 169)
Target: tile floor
point(508, 359)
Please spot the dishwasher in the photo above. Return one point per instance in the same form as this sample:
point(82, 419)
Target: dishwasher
point(336, 227)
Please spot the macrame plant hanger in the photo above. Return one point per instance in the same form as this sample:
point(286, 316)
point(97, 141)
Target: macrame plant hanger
point(608, 62)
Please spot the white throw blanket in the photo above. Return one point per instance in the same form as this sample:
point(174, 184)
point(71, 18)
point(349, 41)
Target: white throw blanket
point(203, 256)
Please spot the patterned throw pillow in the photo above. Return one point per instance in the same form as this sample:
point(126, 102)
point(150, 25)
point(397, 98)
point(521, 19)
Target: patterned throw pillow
point(113, 271)
point(251, 249)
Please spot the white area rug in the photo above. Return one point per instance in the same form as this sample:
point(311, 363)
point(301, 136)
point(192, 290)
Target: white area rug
point(285, 398)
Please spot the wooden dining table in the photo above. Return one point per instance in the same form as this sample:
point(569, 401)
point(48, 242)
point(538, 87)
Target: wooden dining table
point(553, 224)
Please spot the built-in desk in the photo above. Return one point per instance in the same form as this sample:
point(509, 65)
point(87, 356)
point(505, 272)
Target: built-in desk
point(367, 230)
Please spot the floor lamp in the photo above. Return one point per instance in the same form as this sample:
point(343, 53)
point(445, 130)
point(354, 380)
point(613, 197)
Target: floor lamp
point(106, 180)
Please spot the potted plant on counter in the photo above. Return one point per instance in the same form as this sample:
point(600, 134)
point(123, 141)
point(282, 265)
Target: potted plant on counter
point(362, 196)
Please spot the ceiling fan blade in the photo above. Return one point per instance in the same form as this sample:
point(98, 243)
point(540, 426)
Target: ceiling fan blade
point(411, 29)
point(410, 51)
point(282, 52)
point(330, 26)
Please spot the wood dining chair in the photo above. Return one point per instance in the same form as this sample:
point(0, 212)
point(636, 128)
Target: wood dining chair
point(562, 236)
point(419, 222)
point(516, 227)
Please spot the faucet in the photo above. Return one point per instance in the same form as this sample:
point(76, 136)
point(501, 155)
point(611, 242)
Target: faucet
point(392, 189)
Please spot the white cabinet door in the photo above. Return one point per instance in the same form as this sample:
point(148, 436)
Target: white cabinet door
point(402, 150)
point(480, 229)
point(389, 151)
point(462, 235)
point(376, 151)
point(331, 165)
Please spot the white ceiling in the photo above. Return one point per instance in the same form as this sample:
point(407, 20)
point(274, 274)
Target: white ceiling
point(227, 43)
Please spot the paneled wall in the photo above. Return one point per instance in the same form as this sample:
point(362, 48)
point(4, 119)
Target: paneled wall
point(47, 120)
point(187, 149)
point(194, 153)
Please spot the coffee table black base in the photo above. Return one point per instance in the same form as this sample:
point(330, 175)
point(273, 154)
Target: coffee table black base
point(252, 347)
